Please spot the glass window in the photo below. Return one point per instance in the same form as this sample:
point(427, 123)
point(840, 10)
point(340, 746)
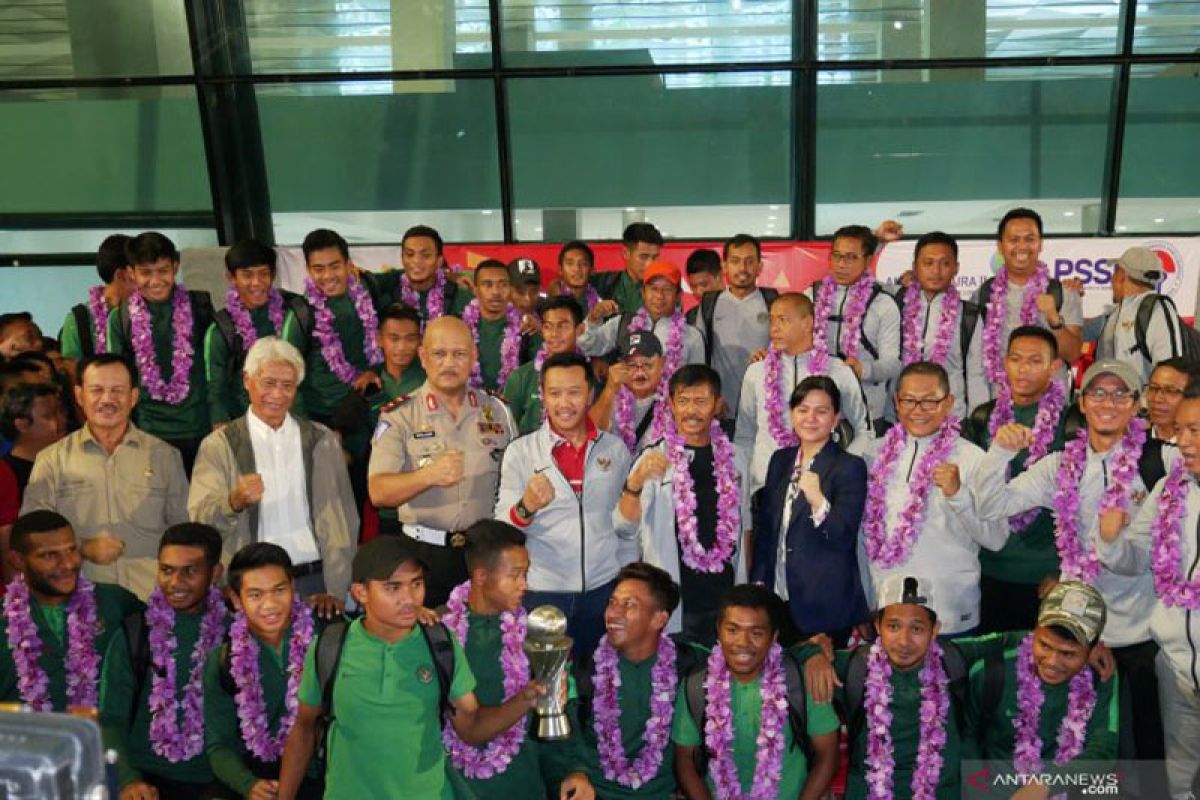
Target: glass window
point(954, 149)
point(1160, 171)
point(568, 32)
point(374, 164)
point(591, 155)
point(1167, 26)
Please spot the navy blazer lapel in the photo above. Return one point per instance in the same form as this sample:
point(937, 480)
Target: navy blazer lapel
point(823, 464)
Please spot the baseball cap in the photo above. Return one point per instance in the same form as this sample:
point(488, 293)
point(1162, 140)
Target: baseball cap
point(524, 271)
point(1141, 264)
point(377, 559)
point(1111, 366)
point(1075, 607)
point(662, 269)
point(906, 589)
point(640, 343)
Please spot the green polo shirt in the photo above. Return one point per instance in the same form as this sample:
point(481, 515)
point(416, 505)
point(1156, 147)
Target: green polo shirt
point(113, 604)
point(227, 397)
point(188, 419)
point(523, 393)
point(1029, 555)
point(386, 740)
point(389, 286)
point(491, 337)
point(627, 293)
point(322, 392)
point(131, 740)
point(70, 339)
point(745, 705)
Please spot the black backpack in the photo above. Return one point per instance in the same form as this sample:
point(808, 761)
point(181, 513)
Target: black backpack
point(876, 291)
point(298, 305)
point(137, 640)
point(83, 325)
point(605, 283)
point(234, 345)
point(202, 317)
point(688, 657)
point(705, 311)
point(1188, 348)
point(1054, 288)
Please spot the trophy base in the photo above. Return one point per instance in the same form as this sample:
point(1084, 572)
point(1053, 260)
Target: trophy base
point(553, 727)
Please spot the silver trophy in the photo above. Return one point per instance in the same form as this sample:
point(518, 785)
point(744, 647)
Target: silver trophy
point(548, 646)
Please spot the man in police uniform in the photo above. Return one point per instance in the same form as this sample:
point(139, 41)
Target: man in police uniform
point(436, 456)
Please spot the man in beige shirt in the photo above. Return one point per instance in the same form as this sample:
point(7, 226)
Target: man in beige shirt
point(119, 486)
point(436, 456)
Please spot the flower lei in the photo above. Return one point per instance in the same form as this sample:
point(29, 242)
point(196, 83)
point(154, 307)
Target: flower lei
point(1044, 426)
point(1166, 552)
point(777, 421)
point(1072, 732)
point(855, 310)
point(996, 314)
point(83, 662)
point(623, 416)
point(241, 315)
point(177, 390)
point(606, 711)
point(590, 295)
point(331, 345)
point(718, 730)
point(884, 551)
point(684, 492)
point(435, 300)
point(935, 706)
point(914, 340)
point(251, 706)
point(99, 308)
point(481, 763)
point(510, 345)
point(168, 738)
point(1079, 563)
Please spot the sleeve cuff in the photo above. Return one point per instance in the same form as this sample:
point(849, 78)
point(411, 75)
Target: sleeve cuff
point(515, 518)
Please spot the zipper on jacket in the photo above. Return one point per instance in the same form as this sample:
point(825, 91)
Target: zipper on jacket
point(579, 502)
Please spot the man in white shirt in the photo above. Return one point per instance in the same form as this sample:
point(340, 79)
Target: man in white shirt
point(1135, 275)
point(272, 477)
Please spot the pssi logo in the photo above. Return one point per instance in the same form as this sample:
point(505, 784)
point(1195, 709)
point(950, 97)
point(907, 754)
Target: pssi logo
point(1098, 271)
point(1172, 264)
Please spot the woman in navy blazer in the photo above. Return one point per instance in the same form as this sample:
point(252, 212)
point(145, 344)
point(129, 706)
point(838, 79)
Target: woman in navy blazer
point(823, 585)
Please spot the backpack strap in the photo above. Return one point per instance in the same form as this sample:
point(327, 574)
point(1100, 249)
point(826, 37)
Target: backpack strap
point(1151, 468)
point(83, 326)
point(202, 310)
point(958, 675)
point(697, 704)
point(1141, 326)
point(854, 688)
point(137, 640)
point(876, 290)
point(644, 425)
point(437, 637)
point(584, 671)
point(623, 326)
point(330, 643)
point(605, 283)
point(708, 308)
point(797, 698)
point(304, 315)
point(985, 296)
point(769, 295)
point(226, 675)
point(1055, 289)
point(981, 416)
point(126, 326)
point(968, 321)
point(449, 292)
point(993, 692)
point(234, 345)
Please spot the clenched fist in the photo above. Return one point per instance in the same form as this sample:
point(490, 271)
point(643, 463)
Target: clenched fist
point(653, 465)
point(539, 492)
point(810, 487)
point(947, 478)
point(247, 492)
point(1013, 436)
point(603, 310)
point(1112, 522)
point(446, 469)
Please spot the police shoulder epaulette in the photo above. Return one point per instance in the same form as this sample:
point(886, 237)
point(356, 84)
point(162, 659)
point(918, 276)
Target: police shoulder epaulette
point(392, 405)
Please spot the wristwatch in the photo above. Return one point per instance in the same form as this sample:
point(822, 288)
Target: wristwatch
point(522, 511)
point(1058, 326)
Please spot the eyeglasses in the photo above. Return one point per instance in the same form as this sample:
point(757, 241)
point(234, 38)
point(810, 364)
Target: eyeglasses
point(1169, 391)
point(925, 403)
point(1119, 397)
point(846, 258)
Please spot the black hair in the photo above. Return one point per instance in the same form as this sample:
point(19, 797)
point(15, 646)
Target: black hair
point(32, 523)
point(927, 368)
point(567, 361)
point(194, 534)
point(250, 253)
point(752, 595)
point(703, 260)
point(561, 301)
point(487, 539)
point(490, 263)
point(936, 237)
point(400, 312)
point(862, 233)
point(111, 256)
point(103, 360)
point(641, 232)
point(817, 383)
point(256, 556)
point(425, 232)
point(323, 239)
point(12, 318)
point(1035, 332)
point(690, 375)
point(1019, 213)
point(576, 244)
point(1187, 366)
point(50, 345)
point(1066, 633)
point(662, 588)
point(14, 371)
point(1192, 391)
point(149, 248)
point(740, 240)
point(17, 403)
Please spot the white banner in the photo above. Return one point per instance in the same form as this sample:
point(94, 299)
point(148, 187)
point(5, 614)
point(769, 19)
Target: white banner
point(1087, 260)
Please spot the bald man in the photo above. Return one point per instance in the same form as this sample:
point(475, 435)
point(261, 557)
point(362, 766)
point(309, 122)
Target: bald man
point(435, 456)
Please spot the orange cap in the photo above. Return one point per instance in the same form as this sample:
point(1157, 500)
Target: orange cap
point(662, 269)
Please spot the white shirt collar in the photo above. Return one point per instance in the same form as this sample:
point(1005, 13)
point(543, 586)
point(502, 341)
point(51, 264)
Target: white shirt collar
point(259, 428)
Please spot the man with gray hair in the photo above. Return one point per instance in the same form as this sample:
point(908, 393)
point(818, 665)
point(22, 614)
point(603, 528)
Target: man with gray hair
point(273, 477)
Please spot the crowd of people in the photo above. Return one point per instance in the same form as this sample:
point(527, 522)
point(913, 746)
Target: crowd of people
point(848, 540)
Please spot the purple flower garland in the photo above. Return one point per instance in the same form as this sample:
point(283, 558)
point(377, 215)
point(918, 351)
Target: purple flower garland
point(142, 335)
point(606, 710)
point(1166, 550)
point(883, 551)
point(436, 305)
point(251, 705)
point(331, 344)
point(168, 738)
point(99, 308)
point(778, 422)
point(623, 416)
point(1079, 559)
point(590, 296)
point(852, 319)
point(935, 706)
point(718, 730)
point(684, 493)
point(1045, 424)
point(83, 662)
point(914, 340)
point(241, 315)
point(996, 314)
point(510, 345)
point(1072, 732)
point(481, 763)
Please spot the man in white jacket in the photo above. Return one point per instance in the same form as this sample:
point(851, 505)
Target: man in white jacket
point(561, 485)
